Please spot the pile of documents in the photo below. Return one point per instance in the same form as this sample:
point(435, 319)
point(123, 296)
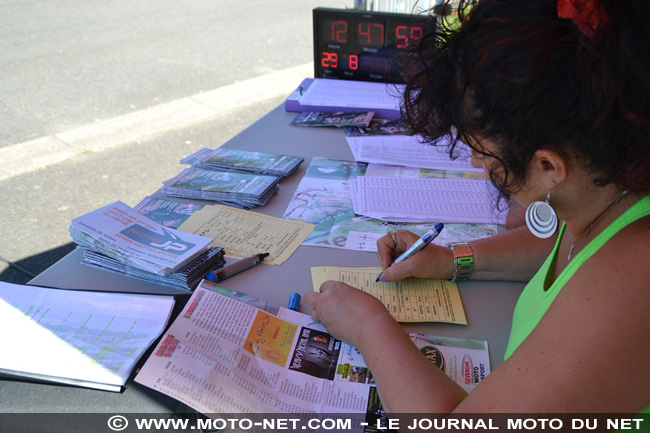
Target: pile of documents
point(186, 278)
point(118, 232)
point(243, 161)
point(242, 190)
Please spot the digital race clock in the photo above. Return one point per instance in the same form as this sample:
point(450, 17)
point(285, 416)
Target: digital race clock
point(359, 45)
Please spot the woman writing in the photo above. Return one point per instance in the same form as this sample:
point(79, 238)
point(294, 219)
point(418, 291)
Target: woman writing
point(553, 97)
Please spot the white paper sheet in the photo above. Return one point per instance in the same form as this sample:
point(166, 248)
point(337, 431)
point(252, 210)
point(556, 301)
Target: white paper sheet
point(425, 200)
point(73, 336)
point(409, 151)
point(353, 94)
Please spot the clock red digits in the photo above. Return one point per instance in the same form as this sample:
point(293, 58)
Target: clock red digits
point(353, 62)
point(372, 33)
point(381, 32)
point(329, 60)
point(340, 31)
point(402, 34)
point(401, 37)
point(416, 33)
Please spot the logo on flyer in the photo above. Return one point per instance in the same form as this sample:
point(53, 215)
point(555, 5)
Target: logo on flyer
point(166, 241)
point(467, 369)
point(435, 356)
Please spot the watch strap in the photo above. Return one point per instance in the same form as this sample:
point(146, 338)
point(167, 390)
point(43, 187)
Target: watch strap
point(463, 260)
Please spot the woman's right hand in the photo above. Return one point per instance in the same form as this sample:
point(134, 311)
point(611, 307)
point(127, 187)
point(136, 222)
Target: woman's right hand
point(433, 261)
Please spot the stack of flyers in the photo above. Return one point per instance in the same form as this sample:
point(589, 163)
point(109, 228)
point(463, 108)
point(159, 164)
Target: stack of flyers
point(243, 161)
point(242, 190)
point(169, 213)
point(121, 233)
point(335, 118)
point(186, 278)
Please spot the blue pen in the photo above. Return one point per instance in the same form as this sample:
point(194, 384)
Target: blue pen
point(417, 246)
point(294, 301)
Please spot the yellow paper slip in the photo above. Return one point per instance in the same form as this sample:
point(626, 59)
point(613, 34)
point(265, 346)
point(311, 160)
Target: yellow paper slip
point(408, 300)
point(242, 233)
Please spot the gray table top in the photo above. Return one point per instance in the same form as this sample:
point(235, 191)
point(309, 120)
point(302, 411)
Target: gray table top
point(488, 305)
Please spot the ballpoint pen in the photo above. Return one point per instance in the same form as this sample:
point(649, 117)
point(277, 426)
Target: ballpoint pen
point(417, 246)
point(235, 268)
point(294, 301)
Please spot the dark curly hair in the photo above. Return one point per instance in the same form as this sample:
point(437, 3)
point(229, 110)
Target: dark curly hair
point(516, 73)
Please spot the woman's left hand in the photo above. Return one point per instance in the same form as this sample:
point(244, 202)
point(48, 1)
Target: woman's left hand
point(346, 312)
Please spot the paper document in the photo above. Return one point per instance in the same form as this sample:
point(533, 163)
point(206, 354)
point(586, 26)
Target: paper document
point(353, 94)
point(120, 232)
point(409, 151)
point(425, 200)
point(408, 300)
point(224, 356)
point(323, 198)
point(243, 233)
point(91, 339)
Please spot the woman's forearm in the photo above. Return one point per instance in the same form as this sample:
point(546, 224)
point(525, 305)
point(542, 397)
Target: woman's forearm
point(514, 255)
point(401, 370)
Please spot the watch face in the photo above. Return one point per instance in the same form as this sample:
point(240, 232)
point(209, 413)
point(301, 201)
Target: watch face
point(364, 46)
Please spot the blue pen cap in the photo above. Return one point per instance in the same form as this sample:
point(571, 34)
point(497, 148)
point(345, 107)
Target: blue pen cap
point(210, 276)
point(439, 227)
point(294, 301)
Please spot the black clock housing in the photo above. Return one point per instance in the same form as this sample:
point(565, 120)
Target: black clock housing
point(360, 45)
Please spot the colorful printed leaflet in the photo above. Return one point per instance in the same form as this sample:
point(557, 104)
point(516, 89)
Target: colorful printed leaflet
point(337, 118)
point(169, 213)
point(243, 161)
point(241, 190)
point(119, 232)
point(225, 356)
point(186, 278)
point(379, 127)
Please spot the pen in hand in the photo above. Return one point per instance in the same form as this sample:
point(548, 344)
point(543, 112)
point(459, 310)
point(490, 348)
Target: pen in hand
point(417, 246)
point(235, 268)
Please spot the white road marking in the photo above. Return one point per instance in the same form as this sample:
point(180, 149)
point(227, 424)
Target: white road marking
point(43, 152)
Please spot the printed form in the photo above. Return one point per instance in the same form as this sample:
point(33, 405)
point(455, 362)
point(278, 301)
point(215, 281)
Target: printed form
point(353, 94)
point(425, 200)
point(410, 151)
point(408, 300)
point(243, 233)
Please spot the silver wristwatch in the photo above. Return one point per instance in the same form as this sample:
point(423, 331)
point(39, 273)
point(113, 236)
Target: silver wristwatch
point(463, 260)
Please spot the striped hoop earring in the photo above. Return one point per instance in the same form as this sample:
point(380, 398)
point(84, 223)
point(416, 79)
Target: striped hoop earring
point(541, 218)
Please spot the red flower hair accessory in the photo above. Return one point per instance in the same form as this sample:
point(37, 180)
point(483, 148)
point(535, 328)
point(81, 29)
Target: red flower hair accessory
point(588, 15)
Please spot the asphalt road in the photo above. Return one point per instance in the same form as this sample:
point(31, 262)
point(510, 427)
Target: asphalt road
point(82, 86)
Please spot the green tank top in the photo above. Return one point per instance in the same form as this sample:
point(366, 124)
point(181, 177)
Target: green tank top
point(535, 301)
